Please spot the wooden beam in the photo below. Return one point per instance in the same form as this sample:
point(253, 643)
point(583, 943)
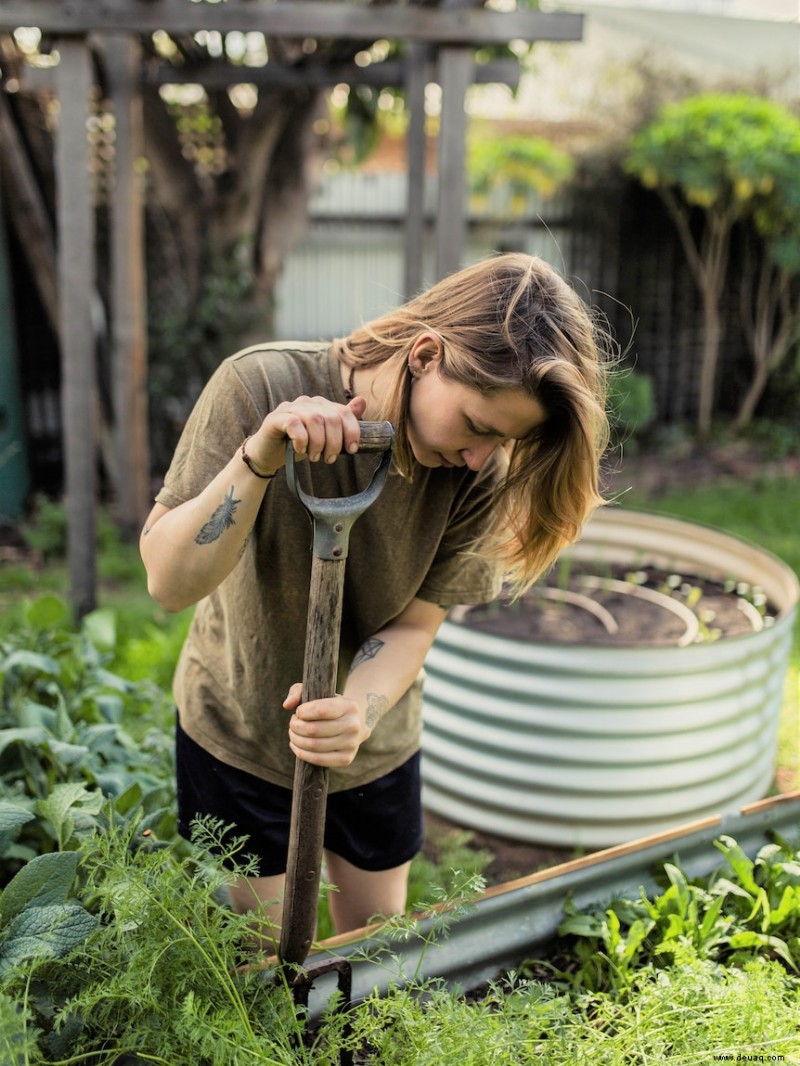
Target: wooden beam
point(75, 215)
point(315, 18)
point(455, 77)
point(216, 74)
point(128, 297)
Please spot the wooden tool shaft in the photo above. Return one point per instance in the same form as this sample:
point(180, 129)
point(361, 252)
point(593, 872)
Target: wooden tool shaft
point(307, 830)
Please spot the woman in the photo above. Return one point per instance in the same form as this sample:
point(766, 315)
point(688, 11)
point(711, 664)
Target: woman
point(494, 380)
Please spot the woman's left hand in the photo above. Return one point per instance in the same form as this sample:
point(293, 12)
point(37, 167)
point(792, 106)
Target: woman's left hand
point(325, 732)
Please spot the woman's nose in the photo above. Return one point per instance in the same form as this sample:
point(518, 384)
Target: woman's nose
point(476, 456)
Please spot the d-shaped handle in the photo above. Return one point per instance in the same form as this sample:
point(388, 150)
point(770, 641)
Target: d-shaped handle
point(333, 517)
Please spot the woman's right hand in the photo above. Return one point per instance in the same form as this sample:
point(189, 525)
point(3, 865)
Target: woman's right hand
point(318, 428)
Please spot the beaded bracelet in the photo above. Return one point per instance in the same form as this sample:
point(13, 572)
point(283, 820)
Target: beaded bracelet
point(248, 463)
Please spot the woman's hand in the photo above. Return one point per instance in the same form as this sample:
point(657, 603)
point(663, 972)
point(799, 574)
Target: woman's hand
point(319, 429)
point(325, 732)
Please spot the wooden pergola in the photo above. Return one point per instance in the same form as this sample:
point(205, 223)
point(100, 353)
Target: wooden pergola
point(107, 33)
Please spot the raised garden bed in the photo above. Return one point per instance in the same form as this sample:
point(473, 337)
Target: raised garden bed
point(542, 724)
point(519, 919)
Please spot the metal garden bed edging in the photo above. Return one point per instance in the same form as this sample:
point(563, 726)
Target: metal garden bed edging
point(517, 920)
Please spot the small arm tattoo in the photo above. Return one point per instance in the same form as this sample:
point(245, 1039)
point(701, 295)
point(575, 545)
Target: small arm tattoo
point(221, 519)
point(377, 706)
point(368, 650)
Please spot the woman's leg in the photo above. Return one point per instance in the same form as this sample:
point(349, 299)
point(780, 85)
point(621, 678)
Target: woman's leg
point(263, 898)
point(364, 894)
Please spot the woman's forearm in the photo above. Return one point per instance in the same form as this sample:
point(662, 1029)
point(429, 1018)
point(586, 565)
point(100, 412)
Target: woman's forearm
point(329, 731)
point(188, 550)
point(388, 663)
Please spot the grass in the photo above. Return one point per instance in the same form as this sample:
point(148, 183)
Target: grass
point(763, 510)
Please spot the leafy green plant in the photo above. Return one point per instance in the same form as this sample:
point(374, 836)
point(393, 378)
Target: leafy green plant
point(455, 858)
point(63, 741)
point(158, 975)
point(516, 165)
point(693, 1013)
point(160, 967)
point(45, 531)
point(153, 970)
point(689, 1014)
point(733, 916)
point(764, 899)
point(149, 650)
point(37, 917)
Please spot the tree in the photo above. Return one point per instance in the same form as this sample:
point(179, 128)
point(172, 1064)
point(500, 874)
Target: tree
point(770, 304)
point(517, 164)
point(719, 161)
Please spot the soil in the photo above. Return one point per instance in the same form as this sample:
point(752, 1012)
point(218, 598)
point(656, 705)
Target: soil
point(510, 860)
point(624, 609)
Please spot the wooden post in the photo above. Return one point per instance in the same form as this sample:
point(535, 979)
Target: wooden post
point(128, 298)
point(415, 78)
point(76, 287)
point(455, 75)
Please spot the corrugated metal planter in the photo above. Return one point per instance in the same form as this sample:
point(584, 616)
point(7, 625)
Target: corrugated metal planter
point(590, 746)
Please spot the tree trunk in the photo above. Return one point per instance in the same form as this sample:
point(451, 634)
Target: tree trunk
point(712, 335)
point(708, 262)
point(771, 331)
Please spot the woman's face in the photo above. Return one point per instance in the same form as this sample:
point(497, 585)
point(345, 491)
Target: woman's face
point(450, 424)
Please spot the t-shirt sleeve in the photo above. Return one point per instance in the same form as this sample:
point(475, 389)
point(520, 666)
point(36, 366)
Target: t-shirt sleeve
point(458, 574)
point(225, 413)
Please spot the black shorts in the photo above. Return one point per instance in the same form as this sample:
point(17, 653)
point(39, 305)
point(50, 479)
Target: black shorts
point(375, 827)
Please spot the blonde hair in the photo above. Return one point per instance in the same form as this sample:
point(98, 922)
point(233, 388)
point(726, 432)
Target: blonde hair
point(511, 321)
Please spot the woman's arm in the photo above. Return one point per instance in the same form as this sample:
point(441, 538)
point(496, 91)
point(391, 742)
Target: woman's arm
point(188, 550)
point(329, 732)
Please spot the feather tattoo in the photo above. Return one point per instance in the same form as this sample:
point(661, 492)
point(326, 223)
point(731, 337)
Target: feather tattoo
point(220, 520)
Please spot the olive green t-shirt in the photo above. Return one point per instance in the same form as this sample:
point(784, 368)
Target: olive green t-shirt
point(246, 643)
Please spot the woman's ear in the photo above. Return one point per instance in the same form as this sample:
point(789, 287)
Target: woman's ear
point(427, 350)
